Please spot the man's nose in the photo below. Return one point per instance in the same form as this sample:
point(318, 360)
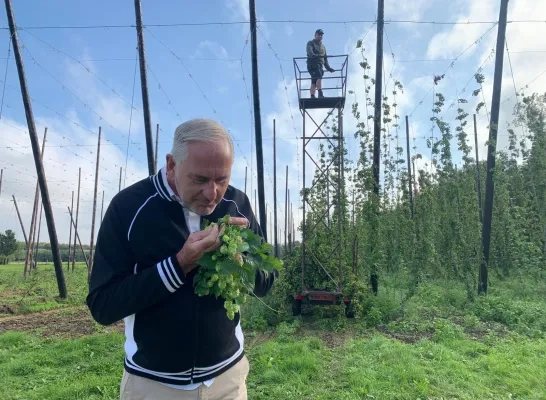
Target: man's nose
point(210, 191)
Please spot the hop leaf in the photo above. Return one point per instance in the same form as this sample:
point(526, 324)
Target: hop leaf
point(230, 271)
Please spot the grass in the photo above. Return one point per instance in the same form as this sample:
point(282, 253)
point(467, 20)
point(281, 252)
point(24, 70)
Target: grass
point(39, 292)
point(436, 344)
point(294, 366)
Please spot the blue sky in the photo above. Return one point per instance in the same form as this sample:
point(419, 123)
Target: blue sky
point(81, 79)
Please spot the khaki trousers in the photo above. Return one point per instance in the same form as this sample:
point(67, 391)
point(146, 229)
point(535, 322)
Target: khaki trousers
point(231, 385)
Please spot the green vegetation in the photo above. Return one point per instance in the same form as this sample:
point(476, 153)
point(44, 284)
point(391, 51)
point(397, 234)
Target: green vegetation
point(295, 364)
point(230, 271)
point(436, 344)
point(43, 252)
point(8, 246)
point(39, 292)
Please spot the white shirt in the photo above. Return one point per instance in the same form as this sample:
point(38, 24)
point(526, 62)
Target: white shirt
point(193, 221)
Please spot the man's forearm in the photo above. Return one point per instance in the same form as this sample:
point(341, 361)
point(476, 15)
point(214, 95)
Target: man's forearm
point(130, 294)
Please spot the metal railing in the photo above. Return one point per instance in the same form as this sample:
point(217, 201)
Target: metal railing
point(338, 62)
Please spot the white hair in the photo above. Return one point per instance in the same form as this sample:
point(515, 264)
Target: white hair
point(198, 130)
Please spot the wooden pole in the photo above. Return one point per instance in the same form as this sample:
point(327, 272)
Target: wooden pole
point(245, 178)
point(20, 220)
point(276, 238)
point(340, 203)
point(409, 168)
point(32, 232)
point(55, 250)
point(35, 258)
point(291, 230)
point(257, 116)
point(287, 236)
point(353, 213)
point(414, 176)
point(286, 201)
point(102, 207)
point(94, 213)
point(76, 236)
point(156, 145)
point(70, 237)
point(144, 86)
point(77, 215)
point(328, 195)
point(1, 177)
point(492, 146)
point(120, 175)
point(478, 175)
point(374, 278)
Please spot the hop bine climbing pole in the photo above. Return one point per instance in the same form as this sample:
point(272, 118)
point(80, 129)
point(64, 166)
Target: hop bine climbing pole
point(144, 86)
point(257, 118)
point(374, 276)
point(312, 259)
point(492, 148)
point(55, 249)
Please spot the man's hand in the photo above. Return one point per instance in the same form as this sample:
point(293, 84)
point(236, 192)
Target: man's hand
point(331, 70)
point(238, 221)
point(198, 243)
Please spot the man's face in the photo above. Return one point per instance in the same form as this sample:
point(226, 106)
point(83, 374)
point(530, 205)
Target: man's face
point(318, 36)
point(203, 177)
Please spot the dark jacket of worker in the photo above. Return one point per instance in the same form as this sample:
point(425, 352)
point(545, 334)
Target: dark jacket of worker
point(316, 55)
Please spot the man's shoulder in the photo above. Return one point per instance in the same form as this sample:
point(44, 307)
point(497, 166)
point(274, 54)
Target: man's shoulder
point(237, 195)
point(133, 196)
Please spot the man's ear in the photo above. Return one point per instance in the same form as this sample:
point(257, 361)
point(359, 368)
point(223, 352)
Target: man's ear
point(170, 167)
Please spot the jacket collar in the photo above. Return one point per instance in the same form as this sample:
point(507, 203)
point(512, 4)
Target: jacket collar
point(162, 186)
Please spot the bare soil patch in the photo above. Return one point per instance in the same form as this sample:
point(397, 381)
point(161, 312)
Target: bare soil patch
point(409, 338)
point(66, 322)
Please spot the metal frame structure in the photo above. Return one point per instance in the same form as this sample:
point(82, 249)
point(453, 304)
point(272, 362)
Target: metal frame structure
point(332, 103)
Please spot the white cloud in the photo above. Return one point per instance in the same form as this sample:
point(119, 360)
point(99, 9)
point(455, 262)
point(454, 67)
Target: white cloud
point(61, 169)
point(288, 30)
point(525, 66)
point(239, 9)
point(71, 144)
point(215, 48)
point(453, 41)
point(409, 10)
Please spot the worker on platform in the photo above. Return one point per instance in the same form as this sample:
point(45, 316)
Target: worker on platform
point(316, 61)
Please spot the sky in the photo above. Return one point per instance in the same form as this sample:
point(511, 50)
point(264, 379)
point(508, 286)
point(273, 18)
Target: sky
point(81, 79)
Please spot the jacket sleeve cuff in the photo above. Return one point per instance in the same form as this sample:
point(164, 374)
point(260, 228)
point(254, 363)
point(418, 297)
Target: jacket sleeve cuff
point(171, 273)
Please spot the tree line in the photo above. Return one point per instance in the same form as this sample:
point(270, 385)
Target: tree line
point(43, 254)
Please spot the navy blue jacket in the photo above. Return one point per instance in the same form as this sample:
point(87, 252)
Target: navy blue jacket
point(172, 335)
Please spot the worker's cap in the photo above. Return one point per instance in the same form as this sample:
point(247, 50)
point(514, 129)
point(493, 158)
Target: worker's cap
point(319, 31)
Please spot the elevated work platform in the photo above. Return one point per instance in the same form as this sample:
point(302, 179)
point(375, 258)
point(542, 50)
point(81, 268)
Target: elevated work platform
point(322, 102)
point(334, 87)
point(334, 84)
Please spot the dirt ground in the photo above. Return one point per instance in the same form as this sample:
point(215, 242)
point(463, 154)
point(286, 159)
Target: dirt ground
point(67, 322)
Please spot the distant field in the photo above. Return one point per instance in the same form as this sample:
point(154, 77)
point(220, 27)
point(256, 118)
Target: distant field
point(437, 346)
point(39, 291)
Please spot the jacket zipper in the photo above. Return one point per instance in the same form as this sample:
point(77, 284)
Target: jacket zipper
point(196, 337)
point(195, 328)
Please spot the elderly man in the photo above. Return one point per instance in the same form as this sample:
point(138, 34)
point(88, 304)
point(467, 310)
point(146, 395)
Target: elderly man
point(178, 345)
point(316, 60)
